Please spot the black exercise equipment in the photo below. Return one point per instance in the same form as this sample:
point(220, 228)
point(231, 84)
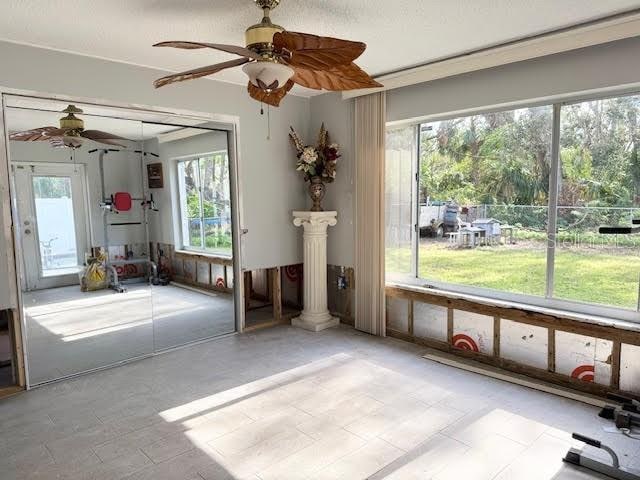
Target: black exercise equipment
point(123, 202)
point(613, 470)
point(625, 416)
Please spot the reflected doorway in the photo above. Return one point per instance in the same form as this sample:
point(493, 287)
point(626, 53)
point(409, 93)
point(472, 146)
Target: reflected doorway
point(53, 222)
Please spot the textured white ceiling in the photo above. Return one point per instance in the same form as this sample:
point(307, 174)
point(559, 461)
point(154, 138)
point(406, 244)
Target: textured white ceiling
point(399, 33)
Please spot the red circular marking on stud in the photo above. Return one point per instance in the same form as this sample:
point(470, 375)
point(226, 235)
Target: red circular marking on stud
point(586, 373)
point(465, 342)
point(291, 272)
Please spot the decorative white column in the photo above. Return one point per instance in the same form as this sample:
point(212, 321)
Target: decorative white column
point(315, 315)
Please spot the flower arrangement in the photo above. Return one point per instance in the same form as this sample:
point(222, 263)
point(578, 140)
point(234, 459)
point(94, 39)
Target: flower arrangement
point(317, 161)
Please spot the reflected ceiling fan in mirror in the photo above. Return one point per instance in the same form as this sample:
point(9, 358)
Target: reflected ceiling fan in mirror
point(275, 59)
point(70, 134)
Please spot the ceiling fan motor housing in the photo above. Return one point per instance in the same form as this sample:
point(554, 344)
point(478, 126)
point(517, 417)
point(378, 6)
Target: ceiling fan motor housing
point(71, 123)
point(259, 37)
point(268, 4)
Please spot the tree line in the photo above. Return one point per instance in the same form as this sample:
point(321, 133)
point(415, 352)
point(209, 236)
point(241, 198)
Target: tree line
point(505, 157)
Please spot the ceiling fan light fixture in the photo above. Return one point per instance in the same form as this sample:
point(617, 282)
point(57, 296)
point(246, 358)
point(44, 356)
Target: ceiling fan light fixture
point(268, 75)
point(72, 141)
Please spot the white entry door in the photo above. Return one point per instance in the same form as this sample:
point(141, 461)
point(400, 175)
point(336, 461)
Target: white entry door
point(52, 216)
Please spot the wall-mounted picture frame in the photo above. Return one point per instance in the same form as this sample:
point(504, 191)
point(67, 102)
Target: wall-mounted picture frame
point(155, 176)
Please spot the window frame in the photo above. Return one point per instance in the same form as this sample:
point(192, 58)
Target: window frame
point(548, 301)
point(179, 192)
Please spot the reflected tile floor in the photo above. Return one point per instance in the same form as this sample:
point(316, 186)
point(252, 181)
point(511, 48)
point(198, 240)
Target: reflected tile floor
point(284, 403)
point(69, 331)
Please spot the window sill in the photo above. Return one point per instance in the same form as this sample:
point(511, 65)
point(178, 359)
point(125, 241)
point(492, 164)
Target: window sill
point(569, 315)
point(210, 256)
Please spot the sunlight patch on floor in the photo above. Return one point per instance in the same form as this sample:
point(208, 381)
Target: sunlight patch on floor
point(342, 417)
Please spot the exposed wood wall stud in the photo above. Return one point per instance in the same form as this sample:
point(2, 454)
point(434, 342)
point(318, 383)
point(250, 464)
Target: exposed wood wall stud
point(551, 350)
point(410, 317)
point(615, 365)
point(496, 336)
point(618, 335)
point(276, 289)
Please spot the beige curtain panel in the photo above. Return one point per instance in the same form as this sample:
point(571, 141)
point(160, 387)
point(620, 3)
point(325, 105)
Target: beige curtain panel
point(369, 212)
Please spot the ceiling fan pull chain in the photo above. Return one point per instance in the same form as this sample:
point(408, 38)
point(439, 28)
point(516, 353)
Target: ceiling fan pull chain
point(268, 122)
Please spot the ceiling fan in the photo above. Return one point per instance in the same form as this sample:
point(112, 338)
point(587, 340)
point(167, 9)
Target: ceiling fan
point(275, 59)
point(70, 134)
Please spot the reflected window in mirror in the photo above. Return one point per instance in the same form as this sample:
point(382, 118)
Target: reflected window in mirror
point(205, 203)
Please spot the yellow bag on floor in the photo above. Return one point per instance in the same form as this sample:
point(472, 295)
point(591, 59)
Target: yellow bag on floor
point(94, 275)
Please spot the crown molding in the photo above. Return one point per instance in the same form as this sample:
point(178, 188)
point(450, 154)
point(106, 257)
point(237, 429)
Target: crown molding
point(613, 28)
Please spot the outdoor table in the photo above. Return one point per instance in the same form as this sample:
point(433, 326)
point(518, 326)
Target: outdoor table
point(466, 237)
point(510, 229)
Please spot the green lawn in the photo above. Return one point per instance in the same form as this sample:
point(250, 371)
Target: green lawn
point(586, 274)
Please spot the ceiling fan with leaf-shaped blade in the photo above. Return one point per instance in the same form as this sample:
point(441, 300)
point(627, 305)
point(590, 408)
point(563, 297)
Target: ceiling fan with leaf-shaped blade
point(70, 134)
point(275, 59)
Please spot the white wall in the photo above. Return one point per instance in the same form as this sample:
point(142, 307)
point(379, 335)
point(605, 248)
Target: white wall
point(269, 185)
point(160, 222)
point(337, 115)
point(565, 74)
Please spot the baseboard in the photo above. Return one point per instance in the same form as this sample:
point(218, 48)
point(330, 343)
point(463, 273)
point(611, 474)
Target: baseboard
point(269, 324)
point(515, 378)
point(8, 391)
point(346, 319)
point(211, 293)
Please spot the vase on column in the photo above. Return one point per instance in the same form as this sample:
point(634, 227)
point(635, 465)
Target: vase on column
point(316, 192)
point(315, 315)
point(317, 163)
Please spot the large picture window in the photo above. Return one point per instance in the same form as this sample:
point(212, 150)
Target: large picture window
point(598, 184)
point(508, 204)
point(205, 203)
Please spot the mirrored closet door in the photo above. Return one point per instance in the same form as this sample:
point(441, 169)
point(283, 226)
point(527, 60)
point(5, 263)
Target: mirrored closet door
point(125, 237)
point(74, 240)
point(189, 179)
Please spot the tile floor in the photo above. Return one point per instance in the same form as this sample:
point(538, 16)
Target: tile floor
point(286, 404)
